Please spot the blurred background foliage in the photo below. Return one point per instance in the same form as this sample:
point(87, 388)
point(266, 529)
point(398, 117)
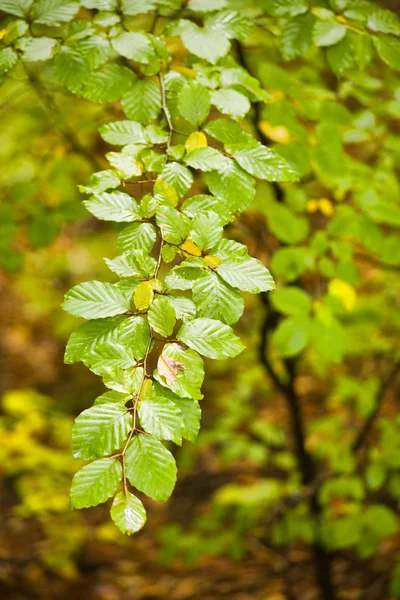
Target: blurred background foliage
point(322, 351)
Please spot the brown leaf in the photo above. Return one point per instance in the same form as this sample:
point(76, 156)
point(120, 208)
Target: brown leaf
point(168, 367)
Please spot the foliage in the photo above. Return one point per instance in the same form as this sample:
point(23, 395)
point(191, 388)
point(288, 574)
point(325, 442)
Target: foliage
point(274, 110)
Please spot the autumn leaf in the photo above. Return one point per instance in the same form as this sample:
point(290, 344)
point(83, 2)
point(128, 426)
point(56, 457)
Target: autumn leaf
point(169, 368)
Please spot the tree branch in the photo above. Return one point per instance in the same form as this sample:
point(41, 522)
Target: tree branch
point(362, 435)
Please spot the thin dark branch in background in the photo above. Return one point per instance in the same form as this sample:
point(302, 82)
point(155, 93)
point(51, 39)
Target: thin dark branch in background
point(369, 423)
point(323, 559)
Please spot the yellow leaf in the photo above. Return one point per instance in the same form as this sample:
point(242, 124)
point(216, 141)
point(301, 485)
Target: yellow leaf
point(166, 191)
point(191, 248)
point(143, 295)
point(156, 284)
point(277, 133)
point(312, 206)
point(344, 291)
point(212, 261)
point(189, 73)
point(326, 207)
point(197, 139)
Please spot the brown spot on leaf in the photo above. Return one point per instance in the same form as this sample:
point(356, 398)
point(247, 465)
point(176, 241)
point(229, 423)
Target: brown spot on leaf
point(169, 367)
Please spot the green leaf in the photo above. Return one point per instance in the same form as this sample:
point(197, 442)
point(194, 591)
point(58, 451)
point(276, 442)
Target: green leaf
point(226, 131)
point(202, 203)
point(328, 154)
point(216, 299)
point(181, 370)
point(103, 357)
point(100, 430)
point(292, 335)
point(138, 7)
point(341, 57)
point(173, 224)
point(128, 513)
point(384, 21)
point(100, 4)
point(8, 58)
point(150, 467)
point(227, 249)
point(191, 415)
point(184, 307)
point(210, 338)
point(162, 418)
point(194, 103)
point(108, 83)
point(19, 8)
point(113, 206)
point(162, 317)
point(134, 46)
point(121, 133)
point(138, 236)
point(113, 397)
point(327, 33)
point(247, 274)
point(388, 49)
point(231, 102)
point(284, 8)
point(41, 48)
point(233, 186)
point(262, 162)
point(134, 263)
point(291, 300)
point(297, 36)
point(100, 182)
point(206, 230)
point(206, 159)
point(96, 482)
point(143, 102)
point(190, 411)
point(238, 76)
point(96, 50)
point(71, 69)
point(229, 24)
point(126, 162)
point(54, 12)
point(206, 5)
point(89, 335)
point(328, 335)
point(123, 382)
point(205, 43)
point(178, 176)
point(183, 276)
point(284, 224)
point(122, 347)
point(95, 299)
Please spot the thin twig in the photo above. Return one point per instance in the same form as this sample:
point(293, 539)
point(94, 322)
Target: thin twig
point(362, 435)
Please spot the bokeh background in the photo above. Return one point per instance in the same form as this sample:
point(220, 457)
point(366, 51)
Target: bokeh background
point(238, 525)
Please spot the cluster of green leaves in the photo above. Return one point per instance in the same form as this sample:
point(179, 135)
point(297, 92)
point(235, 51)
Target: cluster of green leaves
point(167, 225)
point(350, 30)
point(185, 139)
